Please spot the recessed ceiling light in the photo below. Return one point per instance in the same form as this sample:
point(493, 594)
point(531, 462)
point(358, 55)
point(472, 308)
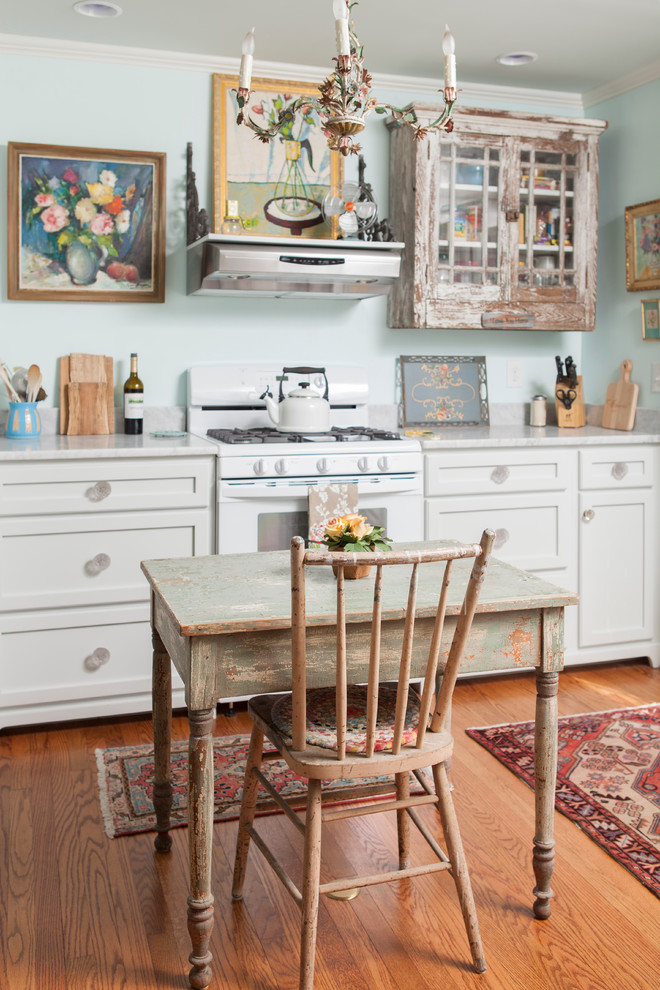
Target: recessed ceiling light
point(98, 8)
point(517, 58)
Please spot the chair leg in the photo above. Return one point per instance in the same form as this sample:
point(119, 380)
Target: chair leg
point(458, 865)
point(248, 809)
point(311, 880)
point(402, 820)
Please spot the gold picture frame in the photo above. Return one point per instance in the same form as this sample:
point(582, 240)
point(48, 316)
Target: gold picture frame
point(643, 246)
point(651, 319)
point(261, 176)
point(85, 224)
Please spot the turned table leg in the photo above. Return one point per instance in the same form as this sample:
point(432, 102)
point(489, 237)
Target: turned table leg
point(162, 722)
point(545, 774)
point(200, 842)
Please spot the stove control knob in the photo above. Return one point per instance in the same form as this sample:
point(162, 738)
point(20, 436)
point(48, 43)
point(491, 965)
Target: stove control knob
point(322, 466)
point(363, 464)
point(382, 464)
point(259, 467)
point(281, 466)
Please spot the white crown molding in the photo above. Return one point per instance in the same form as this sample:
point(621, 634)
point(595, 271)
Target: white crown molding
point(633, 80)
point(152, 58)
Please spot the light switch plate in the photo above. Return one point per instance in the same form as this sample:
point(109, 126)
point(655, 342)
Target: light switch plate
point(655, 376)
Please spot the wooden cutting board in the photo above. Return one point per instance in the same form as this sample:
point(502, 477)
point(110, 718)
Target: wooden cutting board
point(621, 401)
point(87, 401)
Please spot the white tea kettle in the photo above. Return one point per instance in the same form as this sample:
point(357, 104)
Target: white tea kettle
point(303, 410)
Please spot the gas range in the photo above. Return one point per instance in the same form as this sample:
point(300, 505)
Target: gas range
point(225, 405)
point(264, 476)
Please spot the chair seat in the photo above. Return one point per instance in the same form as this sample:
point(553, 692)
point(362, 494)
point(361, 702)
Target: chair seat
point(321, 724)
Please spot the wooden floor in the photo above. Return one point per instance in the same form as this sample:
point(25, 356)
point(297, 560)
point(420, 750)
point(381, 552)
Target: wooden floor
point(79, 911)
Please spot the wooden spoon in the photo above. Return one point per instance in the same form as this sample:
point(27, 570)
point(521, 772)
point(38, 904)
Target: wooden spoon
point(34, 378)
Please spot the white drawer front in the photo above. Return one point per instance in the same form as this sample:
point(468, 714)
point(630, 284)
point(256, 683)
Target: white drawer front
point(43, 665)
point(480, 472)
point(105, 485)
point(68, 561)
point(617, 467)
point(532, 532)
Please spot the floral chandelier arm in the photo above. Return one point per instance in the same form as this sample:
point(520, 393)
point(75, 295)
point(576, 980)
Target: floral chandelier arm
point(345, 99)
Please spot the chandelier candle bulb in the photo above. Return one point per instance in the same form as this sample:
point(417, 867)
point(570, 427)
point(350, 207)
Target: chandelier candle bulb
point(340, 11)
point(245, 71)
point(449, 49)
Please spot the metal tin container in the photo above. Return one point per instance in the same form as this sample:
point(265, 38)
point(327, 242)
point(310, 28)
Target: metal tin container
point(537, 415)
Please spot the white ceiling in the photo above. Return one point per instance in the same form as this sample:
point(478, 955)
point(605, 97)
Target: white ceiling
point(581, 44)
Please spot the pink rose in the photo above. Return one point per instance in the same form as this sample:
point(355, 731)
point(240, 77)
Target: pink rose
point(44, 199)
point(102, 223)
point(54, 218)
point(70, 176)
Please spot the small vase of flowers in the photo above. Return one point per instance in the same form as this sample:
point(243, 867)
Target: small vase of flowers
point(353, 534)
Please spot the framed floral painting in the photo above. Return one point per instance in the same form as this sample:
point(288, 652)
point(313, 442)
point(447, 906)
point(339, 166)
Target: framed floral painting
point(279, 185)
point(643, 246)
point(443, 391)
point(85, 223)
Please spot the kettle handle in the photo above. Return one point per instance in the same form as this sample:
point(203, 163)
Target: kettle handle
point(304, 371)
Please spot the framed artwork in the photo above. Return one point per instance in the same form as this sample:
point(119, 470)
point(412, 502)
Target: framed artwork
point(85, 223)
point(651, 319)
point(443, 391)
point(279, 185)
point(643, 246)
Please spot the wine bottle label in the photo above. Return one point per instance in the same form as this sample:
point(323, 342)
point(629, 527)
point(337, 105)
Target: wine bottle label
point(134, 405)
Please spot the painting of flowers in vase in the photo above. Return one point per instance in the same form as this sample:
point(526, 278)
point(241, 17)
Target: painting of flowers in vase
point(86, 224)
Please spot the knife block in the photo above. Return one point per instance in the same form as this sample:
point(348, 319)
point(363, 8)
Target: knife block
point(576, 415)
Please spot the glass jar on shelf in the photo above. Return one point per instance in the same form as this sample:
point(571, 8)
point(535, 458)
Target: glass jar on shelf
point(232, 222)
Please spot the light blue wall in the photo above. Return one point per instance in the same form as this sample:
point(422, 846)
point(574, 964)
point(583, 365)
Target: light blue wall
point(83, 103)
point(629, 150)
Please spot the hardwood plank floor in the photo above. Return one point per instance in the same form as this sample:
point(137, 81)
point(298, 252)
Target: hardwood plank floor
point(79, 911)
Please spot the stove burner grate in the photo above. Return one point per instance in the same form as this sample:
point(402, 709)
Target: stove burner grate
point(265, 434)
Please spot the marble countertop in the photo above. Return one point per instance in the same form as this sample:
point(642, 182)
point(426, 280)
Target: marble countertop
point(520, 435)
point(57, 447)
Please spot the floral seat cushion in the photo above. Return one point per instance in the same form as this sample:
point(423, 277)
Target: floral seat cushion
point(322, 725)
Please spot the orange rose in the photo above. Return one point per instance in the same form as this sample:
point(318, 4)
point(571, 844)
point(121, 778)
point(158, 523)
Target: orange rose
point(335, 527)
point(358, 525)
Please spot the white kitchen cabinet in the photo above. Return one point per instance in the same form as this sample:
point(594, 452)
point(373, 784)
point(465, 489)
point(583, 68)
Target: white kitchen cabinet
point(75, 636)
point(584, 518)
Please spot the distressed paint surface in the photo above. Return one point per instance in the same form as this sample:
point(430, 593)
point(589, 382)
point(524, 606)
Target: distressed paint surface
point(243, 592)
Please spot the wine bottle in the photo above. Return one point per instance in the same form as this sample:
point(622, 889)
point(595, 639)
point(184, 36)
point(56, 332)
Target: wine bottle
point(133, 400)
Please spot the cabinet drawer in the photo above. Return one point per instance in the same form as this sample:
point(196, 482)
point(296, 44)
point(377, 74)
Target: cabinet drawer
point(59, 562)
point(108, 485)
point(496, 470)
point(108, 656)
point(617, 467)
point(532, 532)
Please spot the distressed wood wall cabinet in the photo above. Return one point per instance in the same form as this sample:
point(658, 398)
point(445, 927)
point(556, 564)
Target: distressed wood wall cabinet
point(499, 219)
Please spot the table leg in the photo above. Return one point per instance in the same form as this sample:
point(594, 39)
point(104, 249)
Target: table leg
point(200, 844)
point(545, 776)
point(161, 687)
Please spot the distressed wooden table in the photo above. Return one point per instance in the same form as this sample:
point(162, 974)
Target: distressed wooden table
point(224, 622)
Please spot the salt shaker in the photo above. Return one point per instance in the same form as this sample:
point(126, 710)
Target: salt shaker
point(537, 411)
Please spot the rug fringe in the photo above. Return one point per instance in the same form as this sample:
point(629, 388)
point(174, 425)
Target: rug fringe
point(104, 798)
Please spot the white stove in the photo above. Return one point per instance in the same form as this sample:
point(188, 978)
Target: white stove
point(264, 476)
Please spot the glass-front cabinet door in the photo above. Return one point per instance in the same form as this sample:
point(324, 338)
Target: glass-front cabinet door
point(499, 219)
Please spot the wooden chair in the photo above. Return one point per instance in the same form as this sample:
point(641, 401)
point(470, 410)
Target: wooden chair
point(392, 735)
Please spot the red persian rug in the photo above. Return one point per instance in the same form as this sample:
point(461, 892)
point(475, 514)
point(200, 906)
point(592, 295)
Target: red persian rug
point(125, 778)
point(608, 779)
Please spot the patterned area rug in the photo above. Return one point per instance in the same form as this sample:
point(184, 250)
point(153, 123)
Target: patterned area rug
point(125, 778)
point(608, 779)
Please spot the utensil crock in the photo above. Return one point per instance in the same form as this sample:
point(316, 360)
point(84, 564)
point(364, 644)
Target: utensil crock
point(23, 420)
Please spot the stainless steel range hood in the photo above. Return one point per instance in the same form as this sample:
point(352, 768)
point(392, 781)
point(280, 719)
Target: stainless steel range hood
point(284, 266)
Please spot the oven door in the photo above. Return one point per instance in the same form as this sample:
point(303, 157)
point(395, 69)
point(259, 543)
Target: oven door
point(265, 515)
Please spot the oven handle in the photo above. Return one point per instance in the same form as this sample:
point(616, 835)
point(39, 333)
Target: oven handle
point(400, 484)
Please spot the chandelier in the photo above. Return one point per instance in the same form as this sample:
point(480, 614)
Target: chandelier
point(345, 99)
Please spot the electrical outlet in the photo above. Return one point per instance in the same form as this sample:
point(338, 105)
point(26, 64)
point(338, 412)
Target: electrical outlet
point(514, 372)
point(655, 376)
